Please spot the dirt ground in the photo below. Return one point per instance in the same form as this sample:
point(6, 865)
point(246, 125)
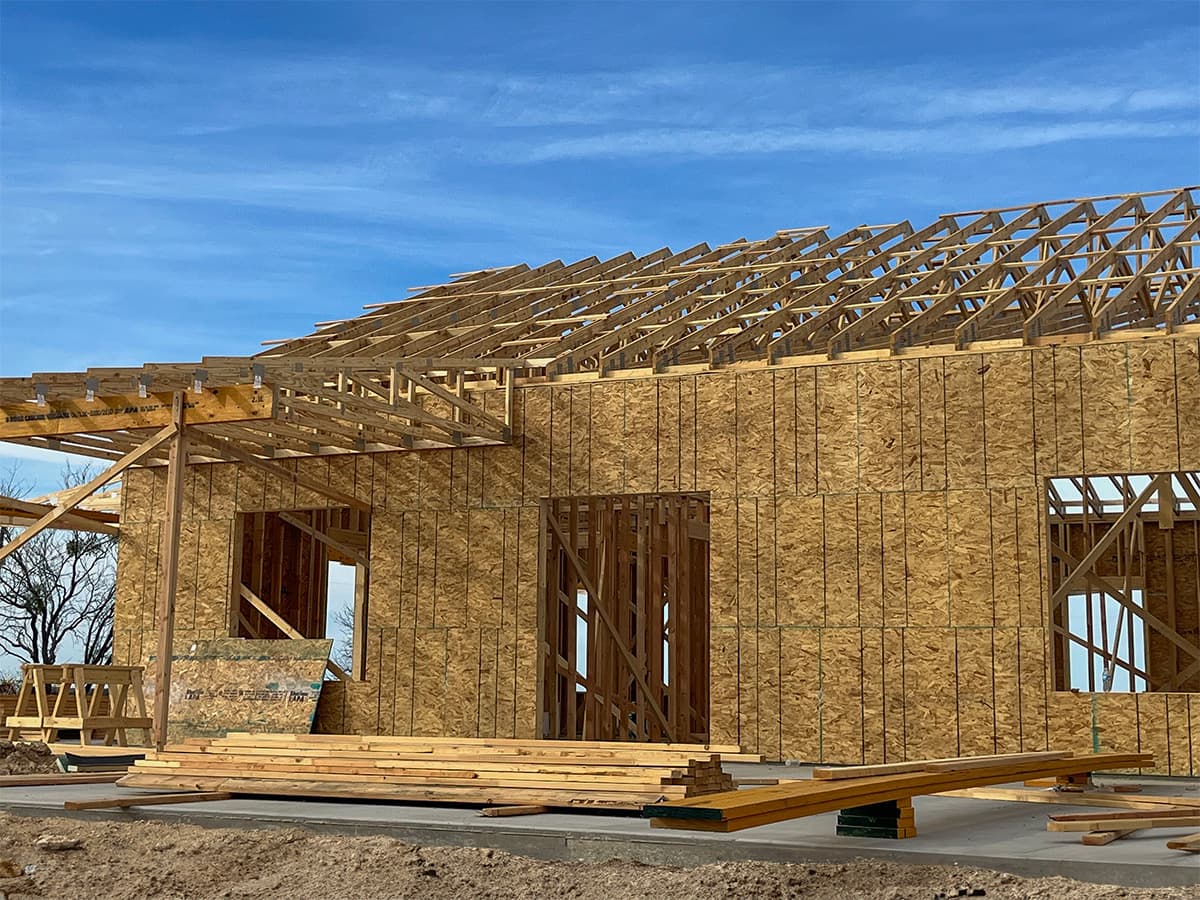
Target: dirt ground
point(139, 860)
point(26, 758)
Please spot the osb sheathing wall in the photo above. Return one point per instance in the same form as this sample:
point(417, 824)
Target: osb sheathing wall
point(878, 550)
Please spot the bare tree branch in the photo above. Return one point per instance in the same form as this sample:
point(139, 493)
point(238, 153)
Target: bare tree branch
point(57, 589)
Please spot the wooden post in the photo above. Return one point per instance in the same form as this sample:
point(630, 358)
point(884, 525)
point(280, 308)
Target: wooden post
point(169, 571)
point(358, 645)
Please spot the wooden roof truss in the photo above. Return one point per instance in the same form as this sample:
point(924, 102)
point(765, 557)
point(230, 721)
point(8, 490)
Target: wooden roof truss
point(1062, 270)
point(409, 373)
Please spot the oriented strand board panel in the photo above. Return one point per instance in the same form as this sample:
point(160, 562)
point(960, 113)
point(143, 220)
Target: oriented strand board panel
point(1153, 405)
point(837, 429)
point(1107, 417)
point(1187, 388)
point(232, 684)
point(755, 434)
point(965, 439)
point(800, 571)
point(1008, 417)
point(716, 426)
point(800, 700)
point(880, 456)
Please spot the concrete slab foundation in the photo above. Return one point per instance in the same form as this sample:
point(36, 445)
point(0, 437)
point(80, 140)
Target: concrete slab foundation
point(1002, 836)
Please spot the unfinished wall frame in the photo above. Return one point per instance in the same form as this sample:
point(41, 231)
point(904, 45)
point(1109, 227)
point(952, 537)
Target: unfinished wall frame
point(623, 621)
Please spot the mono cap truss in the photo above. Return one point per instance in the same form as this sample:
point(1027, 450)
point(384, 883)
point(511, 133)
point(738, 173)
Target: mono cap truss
point(265, 407)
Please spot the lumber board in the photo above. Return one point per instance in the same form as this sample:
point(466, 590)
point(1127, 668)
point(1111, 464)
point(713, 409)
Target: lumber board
point(950, 764)
point(1191, 843)
point(34, 780)
point(1152, 820)
point(1101, 838)
point(504, 811)
point(1071, 798)
point(506, 796)
point(147, 800)
point(1166, 813)
point(509, 773)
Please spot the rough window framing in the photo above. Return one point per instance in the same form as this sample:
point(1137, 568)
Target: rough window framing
point(282, 562)
point(1124, 556)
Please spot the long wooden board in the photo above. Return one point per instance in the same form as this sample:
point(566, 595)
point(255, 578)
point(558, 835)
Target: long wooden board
point(239, 403)
point(733, 811)
point(147, 800)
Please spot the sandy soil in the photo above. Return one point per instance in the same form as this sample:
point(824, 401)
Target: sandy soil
point(120, 861)
point(26, 758)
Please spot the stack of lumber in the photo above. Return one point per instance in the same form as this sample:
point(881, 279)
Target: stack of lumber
point(842, 789)
point(507, 772)
point(894, 819)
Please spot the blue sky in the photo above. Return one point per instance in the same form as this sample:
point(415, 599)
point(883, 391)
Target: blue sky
point(188, 179)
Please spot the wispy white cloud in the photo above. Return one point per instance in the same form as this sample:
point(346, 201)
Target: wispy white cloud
point(982, 139)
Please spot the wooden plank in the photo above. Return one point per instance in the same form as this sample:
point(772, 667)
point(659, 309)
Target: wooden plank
point(1080, 798)
point(1151, 820)
point(1191, 843)
point(1124, 816)
point(238, 403)
point(35, 780)
point(147, 800)
point(950, 764)
point(497, 811)
point(1101, 838)
point(743, 809)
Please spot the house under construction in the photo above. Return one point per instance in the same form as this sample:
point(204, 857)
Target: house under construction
point(898, 492)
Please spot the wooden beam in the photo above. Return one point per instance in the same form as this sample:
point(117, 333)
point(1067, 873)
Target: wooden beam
point(358, 640)
point(123, 411)
point(281, 472)
point(74, 497)
point(283, 625)
point(169, 570)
